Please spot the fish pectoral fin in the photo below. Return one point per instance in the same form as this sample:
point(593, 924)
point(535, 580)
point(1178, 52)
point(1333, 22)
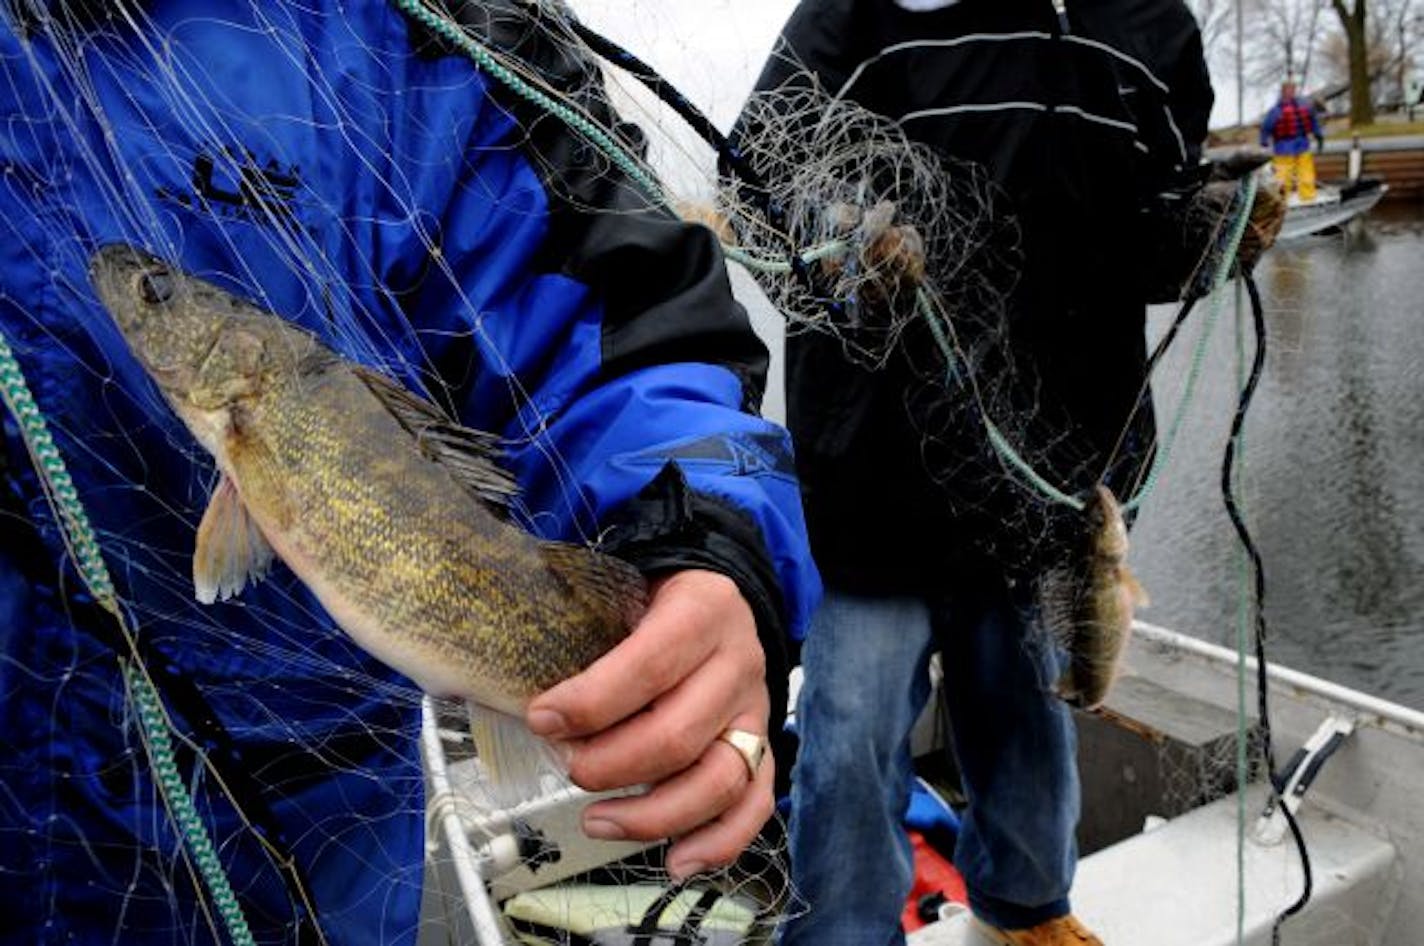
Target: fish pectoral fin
point(471, 456)
point(514, 759)
point(230, 550)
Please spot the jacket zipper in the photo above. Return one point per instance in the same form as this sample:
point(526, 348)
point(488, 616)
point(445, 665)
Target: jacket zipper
point(1060, 7)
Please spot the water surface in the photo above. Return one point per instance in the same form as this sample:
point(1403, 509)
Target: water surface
point(1334, 464)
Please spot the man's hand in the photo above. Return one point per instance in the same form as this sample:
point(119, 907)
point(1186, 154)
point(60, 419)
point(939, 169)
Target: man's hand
point(649, 712)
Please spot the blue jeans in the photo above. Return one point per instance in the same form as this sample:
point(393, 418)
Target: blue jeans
point(866, 681)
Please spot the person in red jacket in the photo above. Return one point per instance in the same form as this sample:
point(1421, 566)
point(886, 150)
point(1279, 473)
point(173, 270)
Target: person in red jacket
point(1288, 128)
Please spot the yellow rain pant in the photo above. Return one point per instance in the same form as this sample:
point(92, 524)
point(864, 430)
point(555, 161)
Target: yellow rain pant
point(1297, 173)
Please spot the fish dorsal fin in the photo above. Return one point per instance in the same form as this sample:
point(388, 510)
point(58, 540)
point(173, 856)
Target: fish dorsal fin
point(470, 455)
point(515, 760)
point(607, 586)
point(230, 549)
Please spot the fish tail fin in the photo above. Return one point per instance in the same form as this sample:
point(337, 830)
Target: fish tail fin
point(1135, 589)
point(515, 760)
point(605, 584)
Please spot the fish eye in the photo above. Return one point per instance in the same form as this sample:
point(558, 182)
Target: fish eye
point(156, 286)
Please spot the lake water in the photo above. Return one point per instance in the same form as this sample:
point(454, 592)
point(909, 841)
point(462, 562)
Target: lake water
point(1334, 464)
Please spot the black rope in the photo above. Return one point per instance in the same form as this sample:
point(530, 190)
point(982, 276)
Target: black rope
point(1238, 421)
point(649, 927)
point(1169, 336)
point(730, 160)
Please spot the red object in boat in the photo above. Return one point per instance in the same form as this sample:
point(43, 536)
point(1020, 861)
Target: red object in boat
point(934, 874)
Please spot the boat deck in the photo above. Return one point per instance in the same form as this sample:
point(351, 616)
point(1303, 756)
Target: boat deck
point(1176, 885)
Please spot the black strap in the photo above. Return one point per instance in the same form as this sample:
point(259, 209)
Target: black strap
point(693, 924)
point(650, 927)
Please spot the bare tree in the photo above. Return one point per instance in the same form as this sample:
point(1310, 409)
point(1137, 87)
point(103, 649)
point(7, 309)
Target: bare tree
point(1401, 31)
point(1394, 43)
point(1353, 19)
point(1284, 37)
point(1217, 19)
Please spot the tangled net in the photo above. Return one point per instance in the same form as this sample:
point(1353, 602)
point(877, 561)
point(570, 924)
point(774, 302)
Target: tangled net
point(136, 694)
point(865, 231)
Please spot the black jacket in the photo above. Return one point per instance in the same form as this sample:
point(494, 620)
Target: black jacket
point(1092, 136)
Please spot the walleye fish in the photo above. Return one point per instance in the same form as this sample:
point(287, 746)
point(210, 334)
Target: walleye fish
point(392, 515)
point(1090, 604)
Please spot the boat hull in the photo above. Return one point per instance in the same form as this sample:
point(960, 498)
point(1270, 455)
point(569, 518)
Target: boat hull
point(1334, 207)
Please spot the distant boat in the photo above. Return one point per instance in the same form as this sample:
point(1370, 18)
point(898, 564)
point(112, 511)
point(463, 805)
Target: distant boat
point(1334, 205)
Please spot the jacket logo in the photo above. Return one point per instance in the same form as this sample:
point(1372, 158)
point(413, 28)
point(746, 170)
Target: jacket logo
point(753, 454)
point(235, 186)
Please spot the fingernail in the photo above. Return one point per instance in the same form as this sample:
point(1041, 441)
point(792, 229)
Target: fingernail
point(547, 723)
point(601, 829)
point(681, 870)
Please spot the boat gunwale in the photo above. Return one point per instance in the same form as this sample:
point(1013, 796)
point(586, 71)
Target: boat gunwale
point(1376, 711)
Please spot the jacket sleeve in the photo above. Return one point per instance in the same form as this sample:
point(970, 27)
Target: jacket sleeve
point(1181, 218)
point(1315, 130)
point(624, 376)
point(814, 49)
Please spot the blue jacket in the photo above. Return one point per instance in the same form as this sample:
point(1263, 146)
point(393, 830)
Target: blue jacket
point(350, 170)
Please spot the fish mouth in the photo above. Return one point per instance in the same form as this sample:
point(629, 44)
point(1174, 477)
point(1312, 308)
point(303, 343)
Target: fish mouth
point(112, 266)
point(118, 256)
point(132, 284)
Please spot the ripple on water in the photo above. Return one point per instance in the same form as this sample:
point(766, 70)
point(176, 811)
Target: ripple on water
point(1334, 478)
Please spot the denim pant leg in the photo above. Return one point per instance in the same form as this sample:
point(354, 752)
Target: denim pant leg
point(1017, 751)
point(866, 679)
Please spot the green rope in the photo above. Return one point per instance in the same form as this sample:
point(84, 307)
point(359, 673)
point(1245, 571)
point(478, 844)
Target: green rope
point(579, 122)
point(84, 546)
point(55, 476)
point(780, 267)
point(159, 741)
point(997, 439)
point(1014, 459)
point(591, 131)
point(1223, 272)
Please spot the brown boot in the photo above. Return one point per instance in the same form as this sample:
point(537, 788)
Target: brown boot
point(1060, 931)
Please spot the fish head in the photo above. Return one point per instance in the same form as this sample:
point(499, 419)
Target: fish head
point(1106, 527)
point(205, 348)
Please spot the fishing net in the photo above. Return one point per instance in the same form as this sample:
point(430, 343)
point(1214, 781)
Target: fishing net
point(137, 714)
point(877, 232)
point(852, 233)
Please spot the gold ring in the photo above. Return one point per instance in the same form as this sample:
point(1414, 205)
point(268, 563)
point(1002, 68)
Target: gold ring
point(750, 746)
